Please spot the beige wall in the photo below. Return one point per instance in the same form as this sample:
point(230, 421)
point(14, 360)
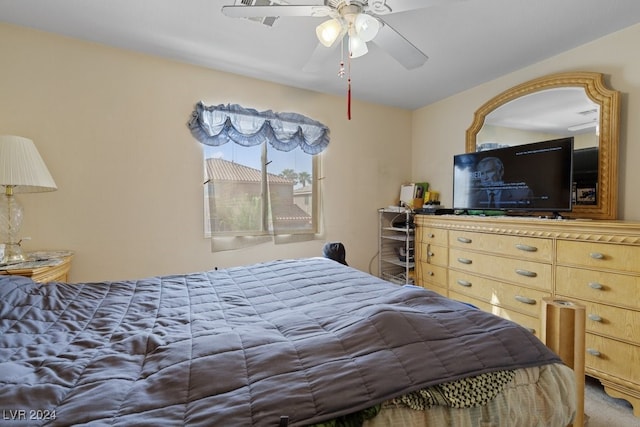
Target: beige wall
point(439, 129)
point(111, 126)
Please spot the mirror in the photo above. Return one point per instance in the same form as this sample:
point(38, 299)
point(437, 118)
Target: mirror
point(574, 104)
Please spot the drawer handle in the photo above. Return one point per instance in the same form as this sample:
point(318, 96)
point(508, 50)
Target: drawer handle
point(593, 352)
point(464, 240)
point(595, 318)
point(526, 273)
point(430, 254)
point(595, 285)
point(526, 248)
point(464, 261)
point(464, 283)
point(431, 273)
point(525, 300)
point(431, 235)
point(533, 331)
point(596, 255)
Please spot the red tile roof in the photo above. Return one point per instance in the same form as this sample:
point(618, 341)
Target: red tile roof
point(224, 170)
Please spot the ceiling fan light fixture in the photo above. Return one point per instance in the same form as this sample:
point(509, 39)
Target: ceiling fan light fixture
point(329, 31)
point(357, 47)
point(366, 26)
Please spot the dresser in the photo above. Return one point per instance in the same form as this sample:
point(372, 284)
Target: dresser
point(507, 265)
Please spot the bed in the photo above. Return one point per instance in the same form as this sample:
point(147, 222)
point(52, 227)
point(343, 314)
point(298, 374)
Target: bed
point(297, 342)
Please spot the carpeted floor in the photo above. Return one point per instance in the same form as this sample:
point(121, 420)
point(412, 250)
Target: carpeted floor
point(604, 411)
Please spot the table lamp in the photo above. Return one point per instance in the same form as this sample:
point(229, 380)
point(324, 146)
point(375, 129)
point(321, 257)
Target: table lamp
point(22, 170)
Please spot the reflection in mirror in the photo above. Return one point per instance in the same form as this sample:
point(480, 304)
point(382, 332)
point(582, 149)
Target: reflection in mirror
point(556, 106)
point(547, 115)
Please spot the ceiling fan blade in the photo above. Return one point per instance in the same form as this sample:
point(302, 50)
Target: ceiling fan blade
point(275, 10)
point(386, 7)
point(320, 56)
point(400, 48)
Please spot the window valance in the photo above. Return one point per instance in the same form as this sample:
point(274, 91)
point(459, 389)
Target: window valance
point(218, 124)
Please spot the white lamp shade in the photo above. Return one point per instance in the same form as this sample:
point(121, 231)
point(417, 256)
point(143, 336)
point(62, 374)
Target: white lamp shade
point(21, 166)
point(357, 47)
point(366, 27)
point(329, 31)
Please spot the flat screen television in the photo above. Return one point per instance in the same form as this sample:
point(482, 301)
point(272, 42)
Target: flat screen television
point(535, 177)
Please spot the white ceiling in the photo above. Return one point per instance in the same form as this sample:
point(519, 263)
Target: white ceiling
point(468, 41)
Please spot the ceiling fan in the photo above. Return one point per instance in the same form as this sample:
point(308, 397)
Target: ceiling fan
point(356, 21)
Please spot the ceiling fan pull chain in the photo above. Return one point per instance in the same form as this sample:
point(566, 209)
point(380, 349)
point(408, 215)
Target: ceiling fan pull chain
point(349, 100)
point(349, 88)
point(341, 71)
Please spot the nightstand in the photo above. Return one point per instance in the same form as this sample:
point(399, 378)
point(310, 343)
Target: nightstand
point(42, 267)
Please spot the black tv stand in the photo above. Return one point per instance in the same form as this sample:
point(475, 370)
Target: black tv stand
point(513, 214)
point(554, 215)
point(541, 215)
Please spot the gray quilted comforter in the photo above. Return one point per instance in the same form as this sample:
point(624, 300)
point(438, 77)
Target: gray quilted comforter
point(309, 339)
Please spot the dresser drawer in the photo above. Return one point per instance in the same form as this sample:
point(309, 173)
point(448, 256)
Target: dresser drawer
point(611, 321)
point(527, 273)
point(529, 322)
point(613, 357)
point(524, 300)
point(598, 286)
point(434, 236)
point(433, 254)
point(530, 248)
point(599, 255)
point(433, 274)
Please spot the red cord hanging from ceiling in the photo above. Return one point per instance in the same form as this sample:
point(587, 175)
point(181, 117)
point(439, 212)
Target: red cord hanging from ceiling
point(349, 90)
point(341, 74)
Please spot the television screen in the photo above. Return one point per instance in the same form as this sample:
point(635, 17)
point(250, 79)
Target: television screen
point(529, 177)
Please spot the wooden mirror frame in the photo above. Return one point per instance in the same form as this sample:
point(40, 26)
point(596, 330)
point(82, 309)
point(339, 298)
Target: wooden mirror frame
point(609, 102)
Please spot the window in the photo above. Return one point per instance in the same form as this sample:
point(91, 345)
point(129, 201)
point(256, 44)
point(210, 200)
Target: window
point(261, 172)
point(258, 190)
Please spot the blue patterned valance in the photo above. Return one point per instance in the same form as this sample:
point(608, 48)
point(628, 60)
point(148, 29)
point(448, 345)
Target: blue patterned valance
point(219, 124)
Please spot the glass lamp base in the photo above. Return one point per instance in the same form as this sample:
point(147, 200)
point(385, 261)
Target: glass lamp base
point(13, 254)
point(10, 222)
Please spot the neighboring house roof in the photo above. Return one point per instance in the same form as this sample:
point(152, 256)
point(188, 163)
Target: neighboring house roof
point(291, 213)
point(224, 170)
point(307, 189)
